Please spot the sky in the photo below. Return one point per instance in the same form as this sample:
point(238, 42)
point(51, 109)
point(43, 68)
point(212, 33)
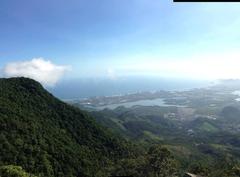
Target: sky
point(48, 40)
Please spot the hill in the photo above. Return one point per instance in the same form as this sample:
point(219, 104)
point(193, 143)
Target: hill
point(42, 136)
point(201, 145)
point(50, 138)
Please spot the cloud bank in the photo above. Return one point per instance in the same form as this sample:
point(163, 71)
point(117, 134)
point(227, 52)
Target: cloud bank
point(44, 71)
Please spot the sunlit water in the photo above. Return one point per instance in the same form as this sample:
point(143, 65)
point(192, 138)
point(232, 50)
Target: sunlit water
point(153, 102)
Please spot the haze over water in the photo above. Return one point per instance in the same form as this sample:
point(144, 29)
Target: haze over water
point(85, 88)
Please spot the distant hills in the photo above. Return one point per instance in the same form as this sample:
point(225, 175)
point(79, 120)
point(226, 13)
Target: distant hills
point(44, 137)
point(202, 145)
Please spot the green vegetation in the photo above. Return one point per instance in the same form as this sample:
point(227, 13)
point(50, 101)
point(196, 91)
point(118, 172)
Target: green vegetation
point(50, 138)
point(44, 137)
point(201, 145)
point(14, 171)
point(157, 162)
point(208, 127)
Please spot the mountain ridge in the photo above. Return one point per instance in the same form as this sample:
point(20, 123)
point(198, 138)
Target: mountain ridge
point(51, 138)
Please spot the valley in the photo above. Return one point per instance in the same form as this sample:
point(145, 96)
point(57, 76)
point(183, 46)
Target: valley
point(43, 136)
point(199, 126)
point(119, 88)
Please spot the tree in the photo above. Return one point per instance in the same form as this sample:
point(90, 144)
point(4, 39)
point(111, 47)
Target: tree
point(161, 163)
point(13, 171)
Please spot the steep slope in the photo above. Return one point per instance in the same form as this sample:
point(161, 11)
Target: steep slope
point(50, 138)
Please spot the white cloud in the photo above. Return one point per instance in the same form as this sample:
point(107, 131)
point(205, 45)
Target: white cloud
point(38, 69)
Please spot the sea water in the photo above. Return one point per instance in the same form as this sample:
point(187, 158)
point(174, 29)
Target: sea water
point(86, 88)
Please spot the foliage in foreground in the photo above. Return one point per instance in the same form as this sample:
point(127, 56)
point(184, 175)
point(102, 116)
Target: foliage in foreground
point(14, 171)
point(50, 138)
point(157, 162)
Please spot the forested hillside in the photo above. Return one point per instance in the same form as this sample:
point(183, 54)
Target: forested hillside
point(203, 146)
point(42, 136)
point(50, 138)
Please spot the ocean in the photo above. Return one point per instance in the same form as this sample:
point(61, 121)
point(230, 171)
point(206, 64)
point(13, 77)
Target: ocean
point(86, 88)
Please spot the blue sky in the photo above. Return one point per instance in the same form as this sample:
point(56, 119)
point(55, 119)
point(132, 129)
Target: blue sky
point(123, 37)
